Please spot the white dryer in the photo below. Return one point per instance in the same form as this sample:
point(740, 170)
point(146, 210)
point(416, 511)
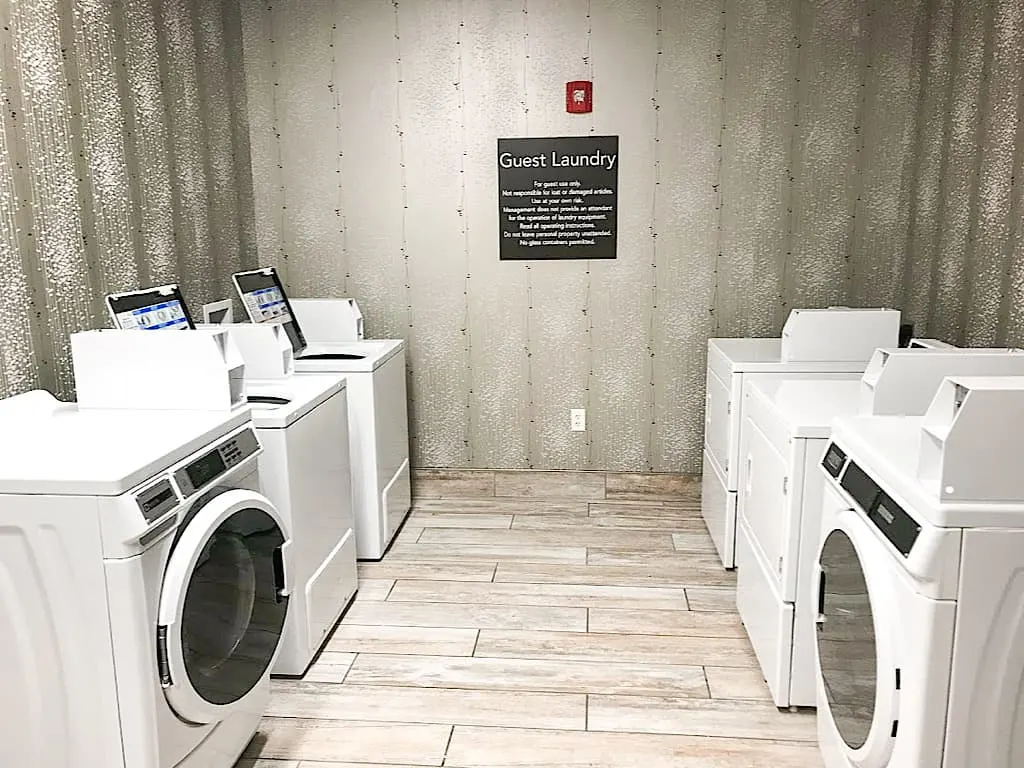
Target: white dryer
point(787, 425)
point(920, 592)
point(823, 343)
point(143, 588)
point(378, 410)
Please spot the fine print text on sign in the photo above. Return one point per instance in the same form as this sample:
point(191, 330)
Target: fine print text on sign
point(558, 197)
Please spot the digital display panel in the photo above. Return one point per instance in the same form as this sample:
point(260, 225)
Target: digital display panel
point(894, 523)
point(834, 459)
point(153, 309)
point(265, 301)
point(167, 315)
point(267, 304)
point(201, 471)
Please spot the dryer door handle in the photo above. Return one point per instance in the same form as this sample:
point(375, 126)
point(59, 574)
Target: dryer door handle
point(281, 590)
point(821, 598)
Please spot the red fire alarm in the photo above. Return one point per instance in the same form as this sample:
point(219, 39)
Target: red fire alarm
point(579, 96)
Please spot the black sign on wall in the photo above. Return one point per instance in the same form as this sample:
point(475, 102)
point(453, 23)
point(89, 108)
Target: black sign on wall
point(558, 197)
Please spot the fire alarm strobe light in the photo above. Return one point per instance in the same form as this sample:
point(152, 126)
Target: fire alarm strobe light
point(579, 96)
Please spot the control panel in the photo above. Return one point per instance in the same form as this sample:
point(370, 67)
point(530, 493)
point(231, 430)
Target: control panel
point(216, 462)
point(834, 460)
point(880, 509)
point(157, 500)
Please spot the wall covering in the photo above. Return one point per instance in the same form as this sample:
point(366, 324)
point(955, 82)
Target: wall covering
point(124, 162)
point(774, 154)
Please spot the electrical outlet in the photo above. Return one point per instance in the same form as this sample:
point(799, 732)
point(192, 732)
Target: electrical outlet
point(578, 419)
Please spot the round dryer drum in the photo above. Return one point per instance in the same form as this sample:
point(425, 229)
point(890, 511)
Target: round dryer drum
point(223, 604)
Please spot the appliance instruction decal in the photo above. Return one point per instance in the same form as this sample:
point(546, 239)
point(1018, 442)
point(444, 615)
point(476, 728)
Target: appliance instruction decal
point(558, 197)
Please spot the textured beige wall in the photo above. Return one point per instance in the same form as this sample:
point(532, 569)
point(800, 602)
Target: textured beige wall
point(965, 267)
point(769, 160)
point(124, 161)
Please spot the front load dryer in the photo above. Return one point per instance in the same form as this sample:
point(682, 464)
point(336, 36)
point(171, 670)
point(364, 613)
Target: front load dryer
point(920, 585)
point(143, 586)
point(302, 423)
point(378, 412)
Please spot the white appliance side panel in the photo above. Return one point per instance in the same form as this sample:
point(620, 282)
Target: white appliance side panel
point(717, 420)
point(328, 592)
point(803, 664)
point(391, 419)
point(768, 619)
point(986, 707)
point(764, 503)
point(397, 500)
point(134, 588)
point(309, 463)
point(59, 704)
point(922, 646)
point(362, 443)
point(718, 507)
point(809, 487)
point(320, 482)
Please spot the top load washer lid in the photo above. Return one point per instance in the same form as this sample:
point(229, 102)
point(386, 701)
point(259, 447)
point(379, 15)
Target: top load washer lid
point(150, 309)
point(808, 406)
point(94, 452)
point(728, 356)
point(360, 356)
point(887, 449)
point(304, 393)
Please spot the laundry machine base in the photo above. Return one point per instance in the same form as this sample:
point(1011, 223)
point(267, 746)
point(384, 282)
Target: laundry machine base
point(225, 744)
point(718, 507)
point(327, 594)
point(786, 656)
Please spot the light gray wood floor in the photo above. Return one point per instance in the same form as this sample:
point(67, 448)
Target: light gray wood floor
point(577, 620)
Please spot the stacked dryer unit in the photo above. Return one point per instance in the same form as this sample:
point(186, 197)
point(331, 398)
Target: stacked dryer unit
point(820, 343)
point(787, 425)
point(143, 586)
point(378, 415)
point(302, 423)
point(920, 585)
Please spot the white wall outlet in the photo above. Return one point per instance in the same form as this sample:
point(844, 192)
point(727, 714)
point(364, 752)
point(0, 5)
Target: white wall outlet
point(578, 419)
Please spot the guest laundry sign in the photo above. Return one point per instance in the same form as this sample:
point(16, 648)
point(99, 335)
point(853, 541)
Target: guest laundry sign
point(558, 197)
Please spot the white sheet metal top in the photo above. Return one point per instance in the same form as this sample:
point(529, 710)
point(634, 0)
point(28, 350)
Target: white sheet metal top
point(374, 353)
point(765, 356)
point(304, 393)
point(50, 447)
point(888, 447)
point(808, 406)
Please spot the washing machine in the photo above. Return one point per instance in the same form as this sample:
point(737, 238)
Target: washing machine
point(378, 410)
point(787, 425)
point(143, 586)
point(920, 585)
point(823, 343)
point(302, 423)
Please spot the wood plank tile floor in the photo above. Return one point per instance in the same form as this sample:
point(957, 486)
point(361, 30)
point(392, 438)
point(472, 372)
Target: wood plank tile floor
point(538, 630)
